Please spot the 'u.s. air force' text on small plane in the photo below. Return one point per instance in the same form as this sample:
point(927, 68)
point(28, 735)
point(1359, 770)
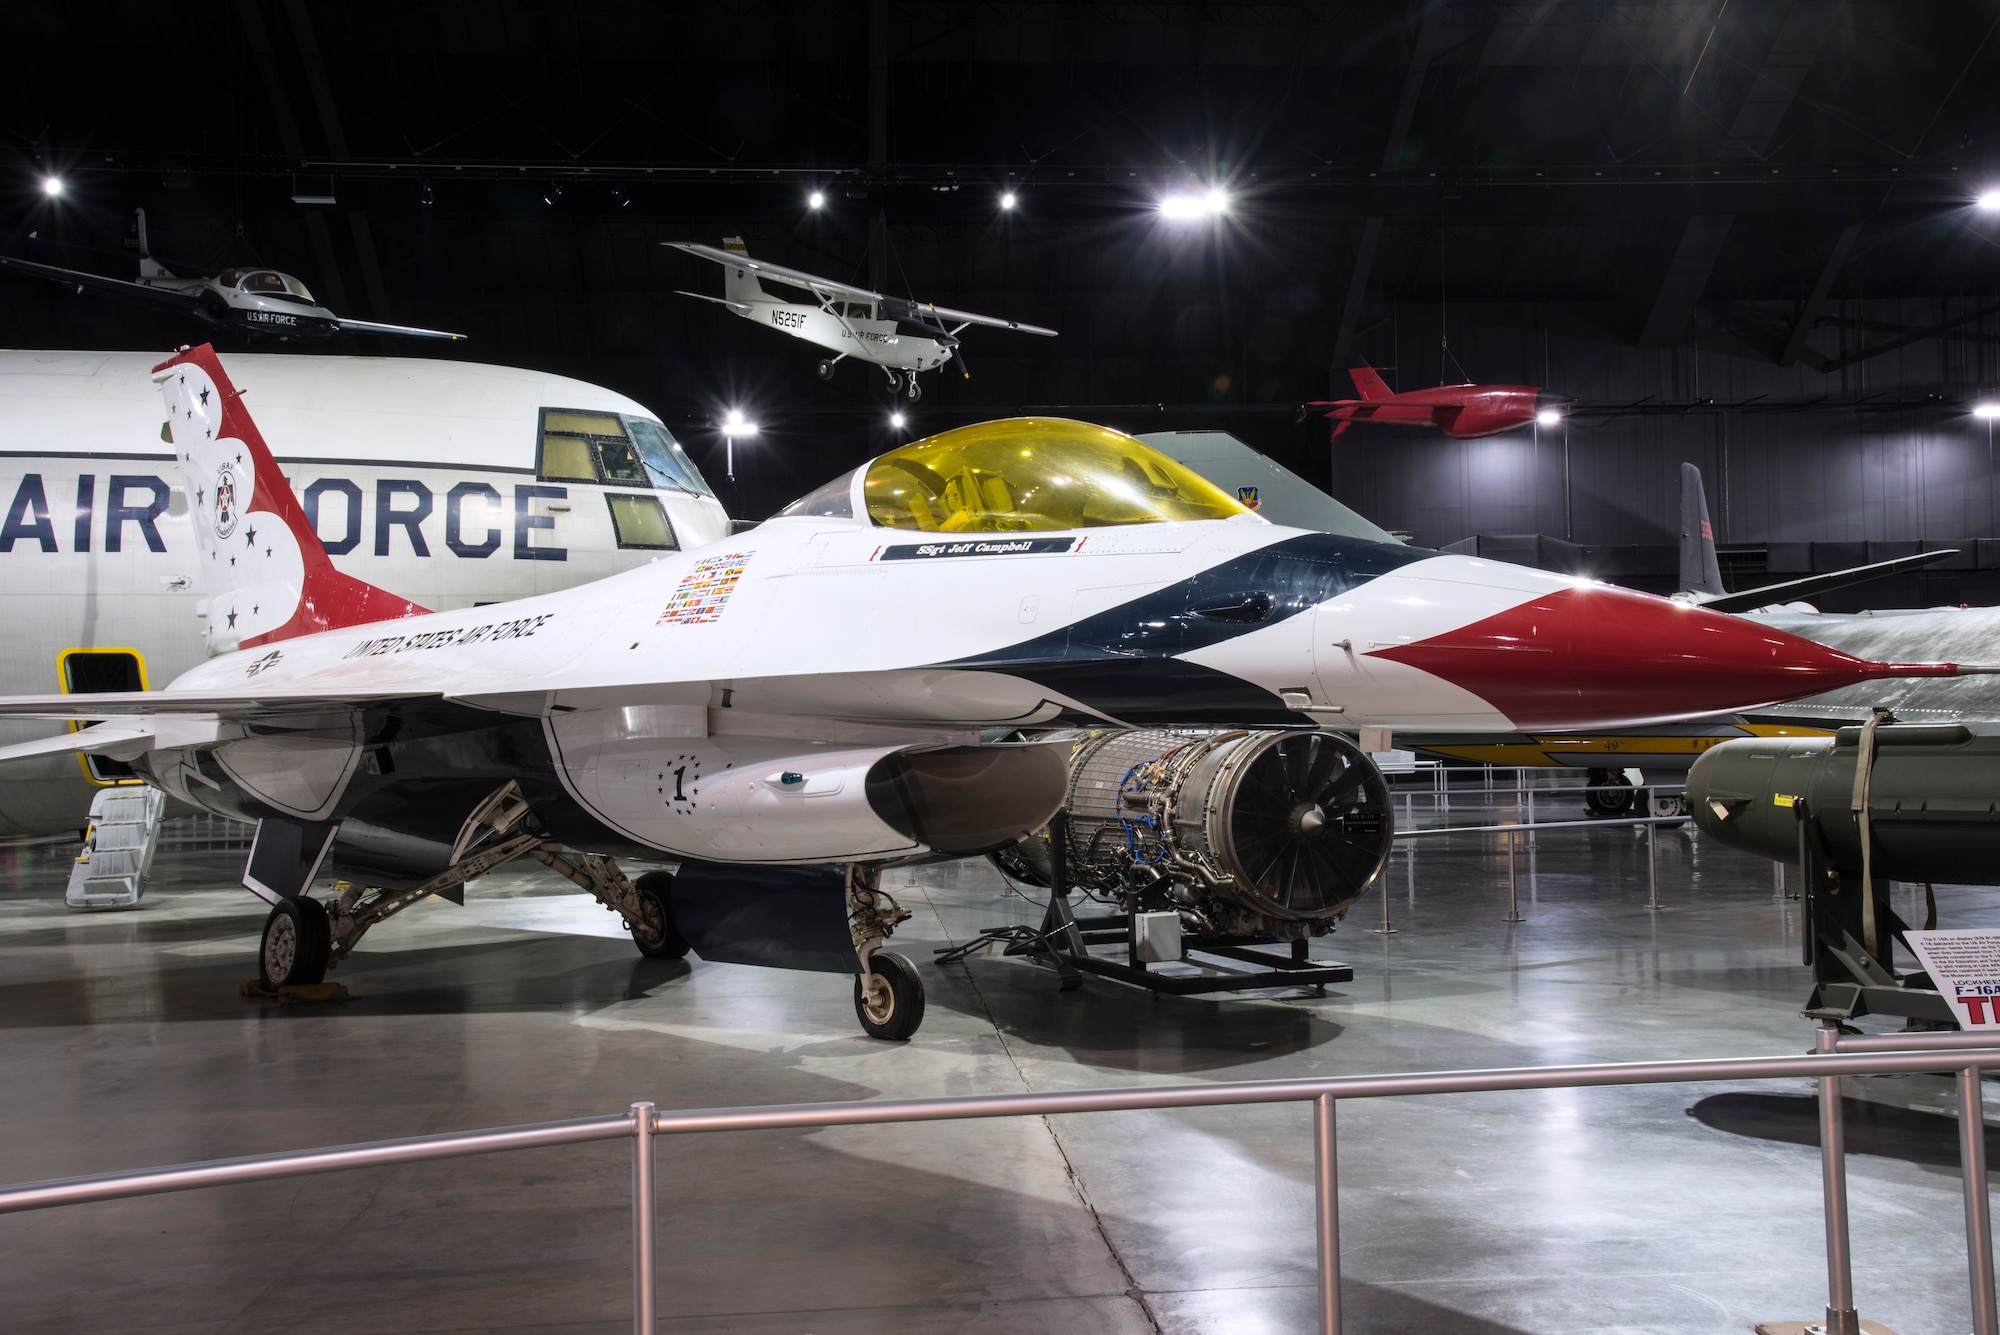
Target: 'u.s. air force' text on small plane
point(902, 337)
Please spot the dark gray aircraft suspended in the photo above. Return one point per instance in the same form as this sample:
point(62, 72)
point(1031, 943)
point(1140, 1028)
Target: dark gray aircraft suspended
point(262, 303)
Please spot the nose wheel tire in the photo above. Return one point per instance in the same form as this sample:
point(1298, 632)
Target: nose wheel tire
point(826, 370)
point(296, 944)
point(656, 935)
point(913, 391)
point(890, 1001)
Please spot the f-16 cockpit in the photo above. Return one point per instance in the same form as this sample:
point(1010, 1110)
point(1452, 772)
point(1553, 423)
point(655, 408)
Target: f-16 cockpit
point(1021, 475)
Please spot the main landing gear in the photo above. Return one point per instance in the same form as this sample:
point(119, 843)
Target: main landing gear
point(305, 937)
point(904, 384)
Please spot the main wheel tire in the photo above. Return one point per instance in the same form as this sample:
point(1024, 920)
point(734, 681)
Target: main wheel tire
point(658, 938)
point(826, 370)
point(915, 391)
point(1609, 794)
point(296, 945)
point(902, 1000)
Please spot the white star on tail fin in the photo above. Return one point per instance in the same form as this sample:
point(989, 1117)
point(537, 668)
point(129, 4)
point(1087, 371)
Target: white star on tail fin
point(268, 576)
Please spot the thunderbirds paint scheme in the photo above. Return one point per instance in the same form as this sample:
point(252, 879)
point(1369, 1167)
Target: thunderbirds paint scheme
point(821, 692)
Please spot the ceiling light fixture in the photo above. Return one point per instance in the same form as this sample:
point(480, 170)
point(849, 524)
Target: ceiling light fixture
point(815, 200)
point(52, 186)
point(1548, 416)
point(1986, 412)
point(896, 420)
point(1989, 200)
point(1008, 200)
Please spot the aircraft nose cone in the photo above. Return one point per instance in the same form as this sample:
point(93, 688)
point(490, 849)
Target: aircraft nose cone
point(1597, 656)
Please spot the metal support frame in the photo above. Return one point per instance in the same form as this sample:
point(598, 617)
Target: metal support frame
point(1064, 940)
point(1849, 981)
point(1867, 1055)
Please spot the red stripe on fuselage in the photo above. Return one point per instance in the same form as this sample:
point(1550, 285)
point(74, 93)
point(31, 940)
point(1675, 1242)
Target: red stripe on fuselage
point(1592, 656)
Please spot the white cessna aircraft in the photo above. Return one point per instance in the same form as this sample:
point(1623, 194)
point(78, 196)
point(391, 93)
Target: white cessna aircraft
point(785, 712)
point(894, 334)
point(448, 483)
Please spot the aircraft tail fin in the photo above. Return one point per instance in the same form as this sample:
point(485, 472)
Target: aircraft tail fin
point(148, 266)
point(1700, 572)
point(739, 284)
point(268, 576)
point(1367, 384)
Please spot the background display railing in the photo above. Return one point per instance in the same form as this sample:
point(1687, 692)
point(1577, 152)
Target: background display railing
point(1838, 1056)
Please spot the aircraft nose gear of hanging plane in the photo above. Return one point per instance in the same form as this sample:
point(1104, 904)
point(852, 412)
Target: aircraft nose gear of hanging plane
point(304, 937)
point(888, 994)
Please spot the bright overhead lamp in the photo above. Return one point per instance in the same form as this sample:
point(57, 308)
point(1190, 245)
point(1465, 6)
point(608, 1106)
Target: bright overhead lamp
point(734, 423)
point(896, 420)
point(1986, 412)
point(1548, 416)
point(1193, 205)
point(815, 200)
point(1989, 200)
point(1008, 200)
point(52, 186)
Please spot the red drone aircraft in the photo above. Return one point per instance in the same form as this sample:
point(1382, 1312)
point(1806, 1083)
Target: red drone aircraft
point(1463, 412)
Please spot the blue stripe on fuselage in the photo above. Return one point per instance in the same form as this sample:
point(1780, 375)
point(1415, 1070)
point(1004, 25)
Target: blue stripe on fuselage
point(1123, 662)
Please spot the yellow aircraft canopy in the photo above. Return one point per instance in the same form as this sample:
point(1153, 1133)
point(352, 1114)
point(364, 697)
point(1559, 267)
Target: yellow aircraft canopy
point(1029, 474)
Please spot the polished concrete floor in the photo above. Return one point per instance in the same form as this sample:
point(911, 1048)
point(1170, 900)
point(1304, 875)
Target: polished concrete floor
point(124, 1042)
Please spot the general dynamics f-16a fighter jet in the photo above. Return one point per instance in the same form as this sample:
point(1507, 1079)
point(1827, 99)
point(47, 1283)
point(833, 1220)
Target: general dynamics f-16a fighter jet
point(261, 303)
point(785, 712)
point(1463, 412)
point(902, 337)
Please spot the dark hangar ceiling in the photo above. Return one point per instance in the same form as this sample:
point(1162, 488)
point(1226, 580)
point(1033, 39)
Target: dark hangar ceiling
point(1644, 175)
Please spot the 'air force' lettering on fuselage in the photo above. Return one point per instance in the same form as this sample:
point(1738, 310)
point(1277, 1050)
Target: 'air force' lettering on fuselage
point(476, 519)
point(490, 631)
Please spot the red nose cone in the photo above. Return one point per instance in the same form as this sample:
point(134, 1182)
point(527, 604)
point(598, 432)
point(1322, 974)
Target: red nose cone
point(1596, 657)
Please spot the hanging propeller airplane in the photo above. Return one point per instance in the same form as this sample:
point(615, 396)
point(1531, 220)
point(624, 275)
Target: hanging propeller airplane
point(902, 337)
point(257, 302)
point(785, 712)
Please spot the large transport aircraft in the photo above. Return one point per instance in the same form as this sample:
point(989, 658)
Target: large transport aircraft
point(789, 711)
point(447, 483)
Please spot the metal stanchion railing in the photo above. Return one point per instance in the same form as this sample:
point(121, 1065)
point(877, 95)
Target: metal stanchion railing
point(1840, 1315)
point(1971, 1150)
point(645, 1270)
point(1879, 1056)
point(1326, 1212)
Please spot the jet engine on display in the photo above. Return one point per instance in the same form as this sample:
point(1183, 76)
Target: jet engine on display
point(779, 715)
point(1241, 833)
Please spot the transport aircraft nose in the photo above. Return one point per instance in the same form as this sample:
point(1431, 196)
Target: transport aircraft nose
point(1594, 656)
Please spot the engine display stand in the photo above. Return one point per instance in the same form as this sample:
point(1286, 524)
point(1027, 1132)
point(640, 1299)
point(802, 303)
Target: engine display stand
point(1064, 941)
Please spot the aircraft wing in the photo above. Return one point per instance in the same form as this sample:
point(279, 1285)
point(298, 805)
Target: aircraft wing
point(1749, 600)
point(407, 331)
point(249, 703)
point(740, 307)
point(117, 287)
point(822, 287)
point(949, 315)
